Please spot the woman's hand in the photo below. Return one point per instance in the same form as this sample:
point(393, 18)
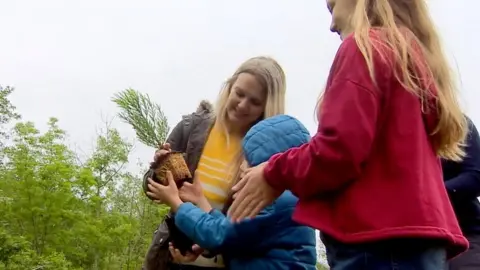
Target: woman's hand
point(162, 152)
point(165, 194)
point(252, 194)
point(189, 256)
point(194, 193)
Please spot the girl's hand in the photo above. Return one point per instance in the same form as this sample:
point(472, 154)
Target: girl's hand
point(162, 152)
point(165, 194)
point(243, 169)
point(189, 256)
point(194, 193)
point(252, 194)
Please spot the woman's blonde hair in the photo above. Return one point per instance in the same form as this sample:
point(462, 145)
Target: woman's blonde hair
point(272, 77)
point(408, 33)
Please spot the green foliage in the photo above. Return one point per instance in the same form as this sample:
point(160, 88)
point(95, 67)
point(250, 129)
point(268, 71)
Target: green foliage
point(145, 116)
point(7, 112)
point(59, 213)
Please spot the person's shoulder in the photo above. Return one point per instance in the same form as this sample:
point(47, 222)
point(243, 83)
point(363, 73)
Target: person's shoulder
point(356, 46)
point(349, 59)
point(204, 112)
point(471, 124)
point(349, 46)
point(205, 107)
point(351, 63)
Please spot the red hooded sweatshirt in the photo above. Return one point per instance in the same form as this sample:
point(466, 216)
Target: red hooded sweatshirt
point(370, 173)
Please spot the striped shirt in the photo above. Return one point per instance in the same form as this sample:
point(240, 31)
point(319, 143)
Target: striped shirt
point(214, 166)
point(213, 170)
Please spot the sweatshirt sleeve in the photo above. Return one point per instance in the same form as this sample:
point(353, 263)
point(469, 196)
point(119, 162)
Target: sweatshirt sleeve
point(347, 124)
point(467, 183)
point(215, 232)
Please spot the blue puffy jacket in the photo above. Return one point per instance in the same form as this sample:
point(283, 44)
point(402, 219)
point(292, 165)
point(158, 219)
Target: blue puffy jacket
point(271, 240)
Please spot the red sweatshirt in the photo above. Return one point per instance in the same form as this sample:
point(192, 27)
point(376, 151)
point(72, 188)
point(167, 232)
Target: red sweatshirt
point(370, 172)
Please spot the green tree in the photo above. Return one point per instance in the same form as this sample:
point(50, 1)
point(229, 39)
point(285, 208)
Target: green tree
point(38, 174)
point(7, 110)
point(36, 191)
point(107, 165)
point(59, 213)
point(7, 115)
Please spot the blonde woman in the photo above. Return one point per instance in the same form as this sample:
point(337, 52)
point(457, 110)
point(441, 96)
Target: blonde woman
point(271, 240)
point(211, 142)
point(370, 179)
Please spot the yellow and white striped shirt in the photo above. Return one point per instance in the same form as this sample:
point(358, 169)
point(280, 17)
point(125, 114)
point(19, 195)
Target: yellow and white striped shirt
point(214, 165)
point(213, 170)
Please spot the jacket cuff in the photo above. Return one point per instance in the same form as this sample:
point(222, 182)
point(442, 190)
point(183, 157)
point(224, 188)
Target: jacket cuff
point(271, 175)
point(183, 218)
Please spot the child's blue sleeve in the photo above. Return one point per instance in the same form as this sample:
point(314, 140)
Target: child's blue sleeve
point(213, 231)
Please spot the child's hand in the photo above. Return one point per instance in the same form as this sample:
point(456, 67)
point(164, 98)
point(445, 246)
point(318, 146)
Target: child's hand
point(189, 256)
point(194, 193)
point(165, 194)
point(162, 152)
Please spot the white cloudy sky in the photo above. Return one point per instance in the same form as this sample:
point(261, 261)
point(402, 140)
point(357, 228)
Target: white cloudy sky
point(67, 58)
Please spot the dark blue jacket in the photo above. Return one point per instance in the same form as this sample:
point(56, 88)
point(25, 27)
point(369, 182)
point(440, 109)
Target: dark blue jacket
point(462, 180)
point(271, 240)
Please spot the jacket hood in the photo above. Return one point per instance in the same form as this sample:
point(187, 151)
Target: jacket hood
point(273, 135)
point(205, 106)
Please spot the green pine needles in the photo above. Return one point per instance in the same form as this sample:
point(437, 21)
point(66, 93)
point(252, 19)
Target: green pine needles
point(145, 116)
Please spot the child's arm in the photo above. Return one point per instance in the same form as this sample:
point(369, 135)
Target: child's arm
point(214, 232)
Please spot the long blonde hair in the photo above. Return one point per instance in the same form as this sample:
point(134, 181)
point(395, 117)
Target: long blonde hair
point(272, 77)
point(408, 32)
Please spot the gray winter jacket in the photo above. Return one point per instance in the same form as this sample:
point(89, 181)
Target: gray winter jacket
point(188, 137)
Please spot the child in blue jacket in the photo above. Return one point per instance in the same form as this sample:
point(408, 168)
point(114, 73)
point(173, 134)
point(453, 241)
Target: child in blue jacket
point(271, 240)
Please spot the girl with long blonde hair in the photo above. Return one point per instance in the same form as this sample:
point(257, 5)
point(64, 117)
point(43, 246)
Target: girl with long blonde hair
point(370, 179)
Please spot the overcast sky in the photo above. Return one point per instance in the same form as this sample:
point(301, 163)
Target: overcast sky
point(67, 58)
